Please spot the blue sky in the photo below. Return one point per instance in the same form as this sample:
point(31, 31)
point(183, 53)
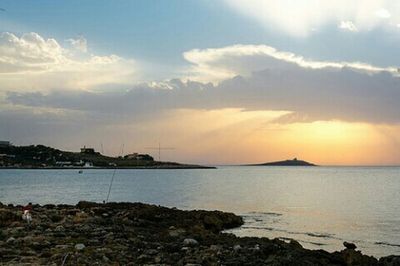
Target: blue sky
point(160, 31)
point(220, 80)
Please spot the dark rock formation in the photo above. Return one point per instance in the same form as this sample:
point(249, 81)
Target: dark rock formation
point(349, 245)
point(142, 234)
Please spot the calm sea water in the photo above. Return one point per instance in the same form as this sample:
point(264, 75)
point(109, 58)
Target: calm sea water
point(319, 206)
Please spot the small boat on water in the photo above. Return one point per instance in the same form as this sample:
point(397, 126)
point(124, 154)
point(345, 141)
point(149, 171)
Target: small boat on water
point(80, 171)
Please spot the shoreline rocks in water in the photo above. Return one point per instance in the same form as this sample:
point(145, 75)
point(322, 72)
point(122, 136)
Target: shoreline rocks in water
point(141, 234)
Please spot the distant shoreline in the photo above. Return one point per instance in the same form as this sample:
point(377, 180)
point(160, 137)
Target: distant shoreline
point(294, 162)
point(172, 167)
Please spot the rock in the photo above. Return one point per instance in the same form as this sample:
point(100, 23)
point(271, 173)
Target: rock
point(215, 247)
point(157, 259)
point(295, 244)
point(349, 245)
point(353, 257)
point(55, 217)
point(237, 247)
point(177, 232)
point(79, 246)
point(151, 252)
point(190, 242)
point(80, 217)
point(10, 240)
point(86, 205)
point(256, 247)
point(59, 228)
point(213, 222)
point(7, 217)
point(390, 261)
point(62, 246)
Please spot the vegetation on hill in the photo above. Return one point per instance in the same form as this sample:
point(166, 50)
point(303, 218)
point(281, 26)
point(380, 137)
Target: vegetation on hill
point(40, 156)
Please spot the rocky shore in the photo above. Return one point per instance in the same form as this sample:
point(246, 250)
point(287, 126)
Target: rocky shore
point(142, 234)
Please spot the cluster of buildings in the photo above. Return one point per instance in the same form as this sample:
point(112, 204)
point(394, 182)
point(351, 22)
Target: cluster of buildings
point(44, 157)
point(4, 144)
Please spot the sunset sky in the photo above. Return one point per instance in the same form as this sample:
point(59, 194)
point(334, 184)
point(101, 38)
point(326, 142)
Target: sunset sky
point(222, 82)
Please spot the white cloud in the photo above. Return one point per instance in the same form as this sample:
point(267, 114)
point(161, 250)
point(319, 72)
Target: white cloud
point(348, 25)
point(383, 13)
point(33, 62)
point(79, 43)
point(217, 64)
point(299, 17)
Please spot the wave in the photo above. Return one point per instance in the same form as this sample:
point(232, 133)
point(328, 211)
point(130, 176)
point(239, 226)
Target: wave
point(320, 235)
point(311, 234)
point(264, 213)
point(387, 244)
point(303, 241)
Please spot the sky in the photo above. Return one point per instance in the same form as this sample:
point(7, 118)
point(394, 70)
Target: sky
point(220, 81)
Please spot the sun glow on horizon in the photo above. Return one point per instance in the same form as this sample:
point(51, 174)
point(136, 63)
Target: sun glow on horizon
point(234, 136)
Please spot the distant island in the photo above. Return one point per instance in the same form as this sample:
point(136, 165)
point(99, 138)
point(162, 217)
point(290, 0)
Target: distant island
point(40, 156)
point(293, 162)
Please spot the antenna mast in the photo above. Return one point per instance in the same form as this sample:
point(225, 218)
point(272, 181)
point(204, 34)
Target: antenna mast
point(113, 175)
point(159, 148)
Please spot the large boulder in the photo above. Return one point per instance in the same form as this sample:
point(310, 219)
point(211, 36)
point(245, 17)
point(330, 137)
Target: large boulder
point(7, 217)
point(390, 261)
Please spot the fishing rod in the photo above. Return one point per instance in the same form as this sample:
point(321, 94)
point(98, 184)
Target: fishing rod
point(113, 175)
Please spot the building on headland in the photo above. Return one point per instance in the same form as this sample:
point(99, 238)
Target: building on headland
point(87, 150)
point(88, 165)
point(131, 156)
point(4, 144)
point(139, 157)
point(63, 163)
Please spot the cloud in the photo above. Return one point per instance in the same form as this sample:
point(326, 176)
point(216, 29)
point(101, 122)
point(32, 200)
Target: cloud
point(348, 25)
point(79, 43)
point(383, 13)
point(33, 62)
point(298, 18)
point(306, 90)
point(218, 64)
point(267, 93)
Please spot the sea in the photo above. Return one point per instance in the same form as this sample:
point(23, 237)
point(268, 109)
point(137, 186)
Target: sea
point(321, 207)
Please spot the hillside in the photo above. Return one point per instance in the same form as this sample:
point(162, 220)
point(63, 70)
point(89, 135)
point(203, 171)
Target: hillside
point(294, 162)
point(40, 156)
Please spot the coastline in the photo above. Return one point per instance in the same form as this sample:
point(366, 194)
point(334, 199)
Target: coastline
point(137, 234)
point(120, 167)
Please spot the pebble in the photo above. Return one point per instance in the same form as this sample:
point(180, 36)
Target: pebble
point(59, 228)
point(10, 240)
point(79, 246)
point(190, 242)
point(237, 247)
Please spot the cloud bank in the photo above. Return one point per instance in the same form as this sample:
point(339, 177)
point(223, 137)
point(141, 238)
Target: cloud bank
point(221, 63)
point(280, 81)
